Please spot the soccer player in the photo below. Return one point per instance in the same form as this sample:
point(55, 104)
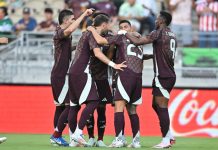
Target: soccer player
point(127, 94)
point(82, 87)
point(59, 78)
point(164, 48)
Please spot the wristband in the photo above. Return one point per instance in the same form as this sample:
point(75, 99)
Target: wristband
point(111, 63)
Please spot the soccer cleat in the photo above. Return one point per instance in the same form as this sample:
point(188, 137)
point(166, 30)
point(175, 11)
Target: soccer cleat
point(59, 141)
point(135, 143)
point(80, 139)
point(74, 144)
point(162, 145)
point(125, 144)
point(2, 139)
point(117, 142)
point(100, 143)
point(91, 142)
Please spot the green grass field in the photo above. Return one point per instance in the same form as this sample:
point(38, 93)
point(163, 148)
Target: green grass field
point(41, 142)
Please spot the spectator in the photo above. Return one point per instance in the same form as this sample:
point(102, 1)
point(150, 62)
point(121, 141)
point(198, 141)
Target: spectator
point(5, 22)
point(150, 12)
point(78, 6)
point(106, 6)
point(27, 23)
point(48, 24)
point(207, 12)
point(132, 11)
point(182, 21)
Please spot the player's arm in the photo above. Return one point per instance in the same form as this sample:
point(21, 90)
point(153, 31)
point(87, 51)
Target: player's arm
point(138, 41)
point(98, 53)
point(99, 39)
point(76, 23)
point(148, 56)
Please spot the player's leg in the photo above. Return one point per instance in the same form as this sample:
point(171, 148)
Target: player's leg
point(58, 110)
point(134, 120)
point(90, 128)
point(87, 111)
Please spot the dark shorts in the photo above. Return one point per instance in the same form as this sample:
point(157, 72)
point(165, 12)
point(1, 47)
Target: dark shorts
point(129, 88)
point(82, 89)
point(163, 86)
point(60, 90)
point(104, 91)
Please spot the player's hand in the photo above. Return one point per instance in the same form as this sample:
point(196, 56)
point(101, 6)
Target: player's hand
point(4, 40)
point(90, 28)
point(120, 32)
point(88, 12)
point(120, 66)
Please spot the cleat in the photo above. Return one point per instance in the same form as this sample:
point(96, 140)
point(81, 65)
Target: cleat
point(2, 139)
point(135, 143)
point(74, 144)
point(60, 141)
point(162, 145)
point(117, 142)
point(125, 144)
point(92, 142)
point(80, 139)
point(100, 143)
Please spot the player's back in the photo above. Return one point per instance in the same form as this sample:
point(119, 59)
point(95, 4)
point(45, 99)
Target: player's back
point(164, 53)
point(82, 54)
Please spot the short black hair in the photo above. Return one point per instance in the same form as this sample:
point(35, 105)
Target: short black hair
point(99, 13)
point(166, 16)
point(5, 10)
point(48, 10)
point(99, 19)
point(125, 21)
point(63, 14)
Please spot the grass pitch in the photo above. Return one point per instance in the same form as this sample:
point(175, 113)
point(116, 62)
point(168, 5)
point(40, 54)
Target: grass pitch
point(41, 142)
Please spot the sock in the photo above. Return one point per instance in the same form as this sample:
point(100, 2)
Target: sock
point(72, 117)
point(164, 119)
point(118, 123)
point(87, 111)
point(58, 111)
point(101, 122)
point(123, 131)
point(90, 126)
point(62, 121)
point(134, 120)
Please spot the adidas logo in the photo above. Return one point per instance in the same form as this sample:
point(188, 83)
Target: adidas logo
point(104, 100)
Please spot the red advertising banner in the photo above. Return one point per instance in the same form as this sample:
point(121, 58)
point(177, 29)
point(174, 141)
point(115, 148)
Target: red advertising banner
point(29, 109)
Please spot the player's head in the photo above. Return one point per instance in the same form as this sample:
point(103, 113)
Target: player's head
point(164, 18)
point(125, 25)
point(101, 21)
point(66, 17)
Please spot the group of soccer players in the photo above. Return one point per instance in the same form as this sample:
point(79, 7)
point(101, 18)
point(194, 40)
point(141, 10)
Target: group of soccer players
point(85, 79)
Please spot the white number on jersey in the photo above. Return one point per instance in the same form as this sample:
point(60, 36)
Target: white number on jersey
point(173, 46)
point(131, 53)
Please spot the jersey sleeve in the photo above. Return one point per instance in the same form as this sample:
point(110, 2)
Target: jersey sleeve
point(153, 36)
point(92, 42)
point(116, 39)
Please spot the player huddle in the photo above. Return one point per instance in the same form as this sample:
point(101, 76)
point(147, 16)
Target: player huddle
point(85, 79)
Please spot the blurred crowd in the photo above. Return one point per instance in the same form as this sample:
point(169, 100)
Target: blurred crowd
point(141, 14)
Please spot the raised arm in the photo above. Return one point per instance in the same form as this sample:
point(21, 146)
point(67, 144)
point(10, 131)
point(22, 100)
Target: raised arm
point(138, 40)
point(99, 39)
point(76, 23)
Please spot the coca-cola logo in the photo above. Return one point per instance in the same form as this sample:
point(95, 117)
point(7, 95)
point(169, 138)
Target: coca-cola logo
point(194, 112)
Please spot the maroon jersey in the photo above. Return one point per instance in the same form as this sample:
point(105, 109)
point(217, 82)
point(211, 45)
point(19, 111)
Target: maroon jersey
point(62, 53)
point(99, 70)
point(128, 52)
point(47, 24)
point(164, 48)
point(83, 52)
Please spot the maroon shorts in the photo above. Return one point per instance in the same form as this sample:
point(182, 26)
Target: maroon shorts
point(60, 90)
point(104, 91)
point(82, 88)
point(163, 86)
point(129, 88)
